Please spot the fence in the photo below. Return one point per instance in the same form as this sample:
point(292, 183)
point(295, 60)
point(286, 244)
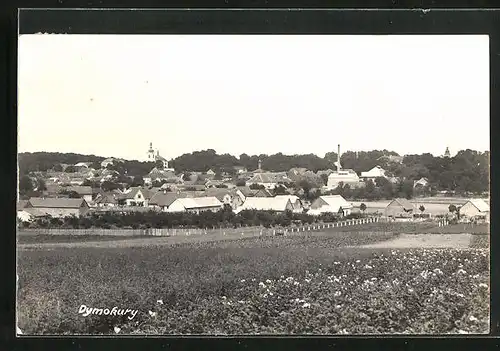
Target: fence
point(208, 231)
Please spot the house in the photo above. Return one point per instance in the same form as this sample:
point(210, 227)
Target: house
point(108, 199)
point(83, 164)
point(30, 214)
point(210, 183)
point(399, 208)
point(297, 205)
point(58, 207)
point(278, 204)
point(268, 180)
point(240, 169)
point(163, 199)
point(232, 197)
point(476, 209)
point(85, 192)
point(421, 183)
point(344, 176)
point(374, 173)
point(159, 175)
point(330, 204)
point(210, 173)
point(196, 204)
point(261, 193)
point(135, 196)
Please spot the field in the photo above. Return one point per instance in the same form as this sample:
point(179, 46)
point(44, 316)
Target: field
point(321, 283)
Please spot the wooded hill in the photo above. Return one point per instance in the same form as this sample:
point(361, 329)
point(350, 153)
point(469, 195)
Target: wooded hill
point(467, 171)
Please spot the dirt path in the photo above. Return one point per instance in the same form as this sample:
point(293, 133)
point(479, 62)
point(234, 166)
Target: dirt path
point(457, 241)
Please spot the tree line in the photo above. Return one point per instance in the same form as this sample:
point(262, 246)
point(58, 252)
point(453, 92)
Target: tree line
point(468, 171)
point(224, 218)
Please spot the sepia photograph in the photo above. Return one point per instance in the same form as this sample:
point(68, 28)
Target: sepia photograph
point(253, 185)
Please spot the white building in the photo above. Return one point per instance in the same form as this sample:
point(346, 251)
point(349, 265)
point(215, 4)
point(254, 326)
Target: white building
point(344, 176)
point(297, 205)
point(374, 173)
point(476, 209)
point(330, 204)
point(155, 157)
point(278, 204)
point(195, 204)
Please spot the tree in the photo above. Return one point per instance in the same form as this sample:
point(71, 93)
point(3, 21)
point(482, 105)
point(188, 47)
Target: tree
point(362, 207)
point(40, 185)
point(241, 182)
point(280, 190)
point(137, 181)
point(341, 211)
point(70, 169)
point(25, 185)
point(422, 208)
point(324, 178)
point(57, 168)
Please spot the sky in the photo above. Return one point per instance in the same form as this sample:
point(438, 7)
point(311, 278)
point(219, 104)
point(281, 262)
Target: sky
point(111, 95)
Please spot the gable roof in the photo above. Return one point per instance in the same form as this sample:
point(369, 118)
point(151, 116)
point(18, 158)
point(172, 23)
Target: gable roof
point(81, 190)
point(132, 191)
point(199, 202)
point(165, 198)
point(265, 203)
point(334, 202)
point(292, 198)
point(407, 205)
point(480, 204)
point(268, 178)
point(56, 202)
point(156, 173)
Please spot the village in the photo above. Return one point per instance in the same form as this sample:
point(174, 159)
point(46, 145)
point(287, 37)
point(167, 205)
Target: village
point(165, 190)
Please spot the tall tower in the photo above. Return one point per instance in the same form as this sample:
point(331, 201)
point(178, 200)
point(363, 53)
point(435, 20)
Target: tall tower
point(260, 164)
point(151, 153)
point(447, 152)
point(338, 158)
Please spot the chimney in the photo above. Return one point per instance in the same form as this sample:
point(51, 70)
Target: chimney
point(338, 158)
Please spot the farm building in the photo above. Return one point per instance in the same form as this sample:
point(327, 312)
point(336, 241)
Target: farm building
point(232, 197)
point(476, 209)
point(373, 174)
point(108, 199)
point(29, 214)
point(261, 193)
point(344, 176)
point(163, 199)
point(399, 208)
point(135, 196)
point(58, 207)
point(268, 180)
point(159, 175)
point(422, 182)
point(195, 204)
point(330, 204)
point(278, 204)
point(85, 192)
point(297, 205)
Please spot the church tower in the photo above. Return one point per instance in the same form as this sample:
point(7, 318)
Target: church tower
point(447, 152)
point(151, 153)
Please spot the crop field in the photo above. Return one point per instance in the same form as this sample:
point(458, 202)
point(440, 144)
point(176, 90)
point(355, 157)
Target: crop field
point(316, 283)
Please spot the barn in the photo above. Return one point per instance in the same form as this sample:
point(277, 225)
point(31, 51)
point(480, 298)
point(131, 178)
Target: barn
point(476, 209)
point(399, 208)
point(58, 207)
point(330, 204)
point(195, 204)
point(278, 204)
